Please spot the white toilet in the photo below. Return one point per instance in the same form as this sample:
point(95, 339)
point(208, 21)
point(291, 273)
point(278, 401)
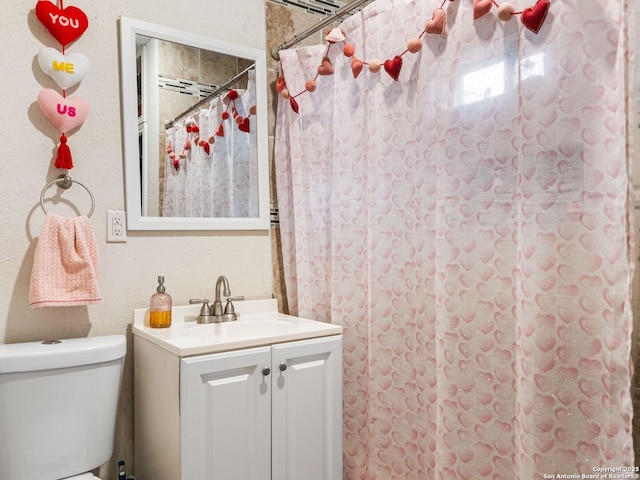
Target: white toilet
point(58, 403)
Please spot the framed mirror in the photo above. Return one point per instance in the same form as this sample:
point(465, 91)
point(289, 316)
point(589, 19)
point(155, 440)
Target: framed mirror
point(194, 116)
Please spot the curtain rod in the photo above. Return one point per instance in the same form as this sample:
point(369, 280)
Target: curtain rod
point(208, 98)
point(348, 8)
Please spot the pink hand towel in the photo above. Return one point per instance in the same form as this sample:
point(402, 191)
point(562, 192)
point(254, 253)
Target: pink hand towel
point(65, 264)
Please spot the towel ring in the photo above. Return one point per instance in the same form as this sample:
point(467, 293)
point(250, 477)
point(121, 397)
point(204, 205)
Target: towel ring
point(64, 181)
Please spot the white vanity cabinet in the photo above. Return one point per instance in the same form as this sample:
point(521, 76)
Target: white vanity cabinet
point(264, 413)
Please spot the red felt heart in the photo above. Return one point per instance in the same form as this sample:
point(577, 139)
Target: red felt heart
point(481, 8)
point(245, 125)
point(66, 25)
point(294, 105)
point(220, 131)
point(280, 84)
point(393, 67)
point(533, 17)
point(326, 68)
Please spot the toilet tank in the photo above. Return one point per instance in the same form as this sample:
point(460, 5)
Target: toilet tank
point(58, 403)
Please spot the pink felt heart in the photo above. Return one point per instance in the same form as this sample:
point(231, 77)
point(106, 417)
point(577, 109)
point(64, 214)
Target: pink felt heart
point(481, 8)
point(64, 113)
point(393, 67)
point(220, 131)
point(66, 25)
point(245, 125)
point(356, 67)
point(326, 68)
point(533, 17)
point(437, 23)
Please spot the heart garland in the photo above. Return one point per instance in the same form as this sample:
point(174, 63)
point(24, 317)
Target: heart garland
point(532, 18)
point(193, 131)
point(66, 25)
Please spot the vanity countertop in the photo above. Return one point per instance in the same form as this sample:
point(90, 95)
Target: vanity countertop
point(259, 323)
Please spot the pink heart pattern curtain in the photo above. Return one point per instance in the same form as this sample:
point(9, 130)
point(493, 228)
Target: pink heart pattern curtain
point(469, 226)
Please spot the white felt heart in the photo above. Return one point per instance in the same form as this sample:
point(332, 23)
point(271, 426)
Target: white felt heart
point(64, 113)
point(334, 35)
point(66, 70)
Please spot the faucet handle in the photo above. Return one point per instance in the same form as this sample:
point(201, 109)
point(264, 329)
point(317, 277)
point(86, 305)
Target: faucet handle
point(205, 311)
point(228, 308)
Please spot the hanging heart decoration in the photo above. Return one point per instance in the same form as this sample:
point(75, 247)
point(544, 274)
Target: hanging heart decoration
point(481, 8)
point(294, 105)
point(437, 23)
point(531, 17)
point(326, 68)
point(66, 25)
point(193, 137)
point(205, 146)
point(64, 113)
point(356, 67)
point(66, 70)
point(534, 17)
point(393, 67)
point(245, 125)
point(334, 35)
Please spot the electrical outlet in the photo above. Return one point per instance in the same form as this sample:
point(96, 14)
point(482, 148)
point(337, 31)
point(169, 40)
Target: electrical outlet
point(116, 229)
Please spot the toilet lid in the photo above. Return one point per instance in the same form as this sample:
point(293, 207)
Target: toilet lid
point(83, 476)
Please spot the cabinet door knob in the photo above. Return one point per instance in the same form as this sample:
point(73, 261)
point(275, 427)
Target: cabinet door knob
point(266, 371)
point(282, 366)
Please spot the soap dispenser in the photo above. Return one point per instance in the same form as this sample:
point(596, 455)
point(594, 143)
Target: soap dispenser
point(160, 307)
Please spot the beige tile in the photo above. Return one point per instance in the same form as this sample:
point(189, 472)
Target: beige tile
point(178, 60)
point(283, 23)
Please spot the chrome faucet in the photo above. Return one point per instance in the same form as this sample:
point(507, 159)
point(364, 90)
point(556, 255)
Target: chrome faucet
point(214, 313)
point(217, 305)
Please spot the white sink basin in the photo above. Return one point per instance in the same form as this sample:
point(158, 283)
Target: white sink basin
point(259, 323)
point(260, 327)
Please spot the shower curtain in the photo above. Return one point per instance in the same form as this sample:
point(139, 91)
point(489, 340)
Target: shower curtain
point(224, 181)
point(469, 226)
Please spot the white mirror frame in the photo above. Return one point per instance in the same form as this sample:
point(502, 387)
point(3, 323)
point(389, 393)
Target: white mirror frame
point(129, 28)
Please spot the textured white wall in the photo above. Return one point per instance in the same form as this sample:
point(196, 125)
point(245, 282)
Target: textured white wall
point(190, 262)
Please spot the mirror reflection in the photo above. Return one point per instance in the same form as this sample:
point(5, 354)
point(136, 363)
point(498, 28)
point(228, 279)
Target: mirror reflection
point(196, 161)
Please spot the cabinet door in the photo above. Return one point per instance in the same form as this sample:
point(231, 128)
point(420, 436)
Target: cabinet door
point(225, 409)
point(307, 410)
